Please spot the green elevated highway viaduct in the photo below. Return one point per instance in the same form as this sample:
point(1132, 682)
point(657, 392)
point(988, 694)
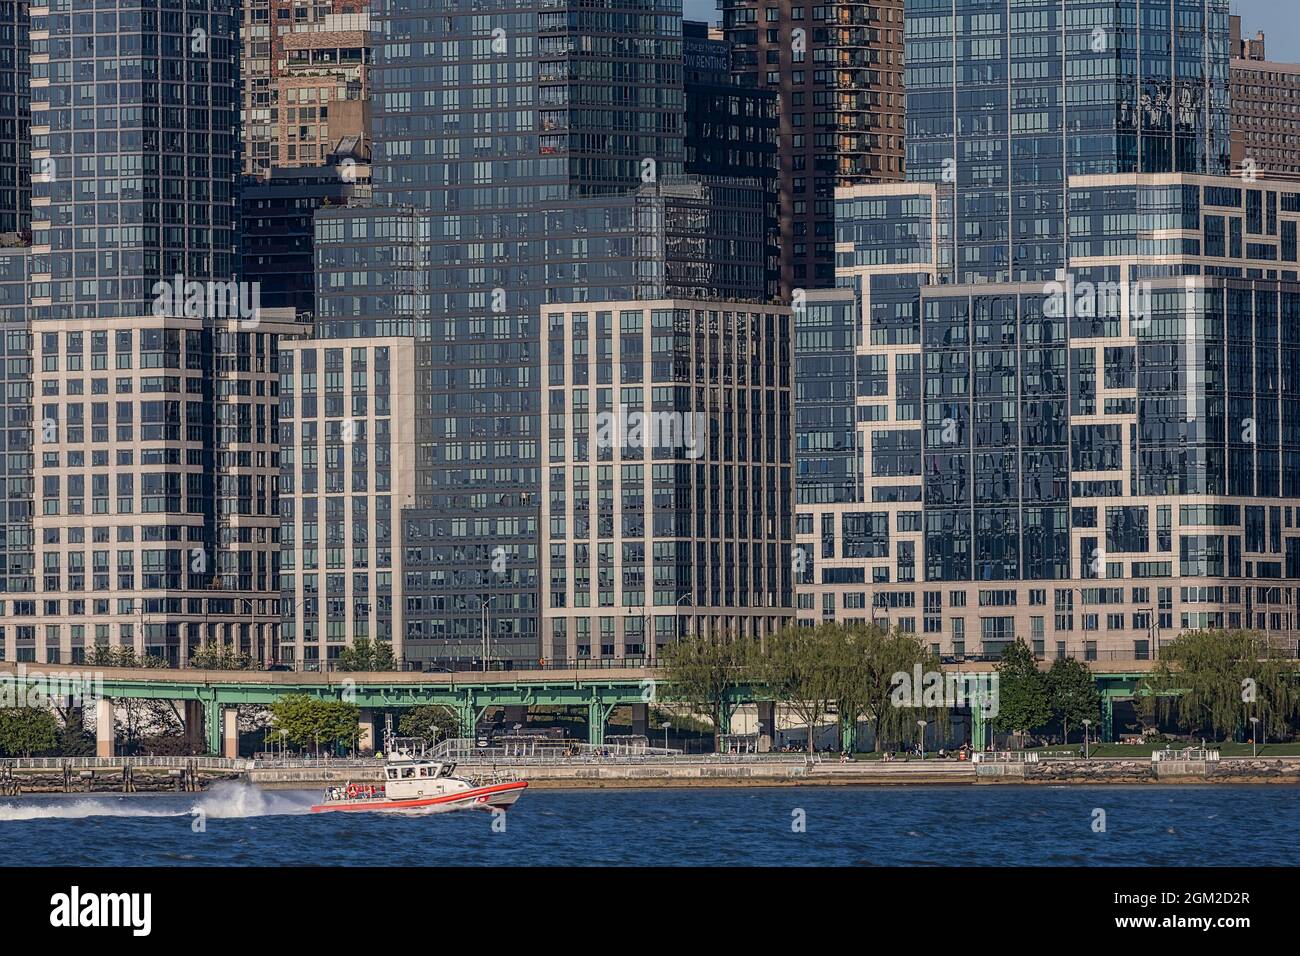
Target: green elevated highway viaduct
point(210, 698)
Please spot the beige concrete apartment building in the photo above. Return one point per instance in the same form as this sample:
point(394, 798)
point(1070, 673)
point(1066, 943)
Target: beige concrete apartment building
point(348, 469)
point(666, 477)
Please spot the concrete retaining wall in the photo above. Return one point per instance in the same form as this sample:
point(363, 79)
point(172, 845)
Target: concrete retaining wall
point(687, 773)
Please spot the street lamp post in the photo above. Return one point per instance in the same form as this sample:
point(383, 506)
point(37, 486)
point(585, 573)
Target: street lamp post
point(1086, 724)
point(665, 725)
point(677, 605)
point(1153, 645)
point(486, 644)
point(921, 724)
point(1254, 736)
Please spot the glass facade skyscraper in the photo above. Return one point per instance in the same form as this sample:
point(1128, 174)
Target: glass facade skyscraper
point(141, 408)
point(1006, 99)
point(1073, 346)
point(526, 153)
point(15, 117)
point(134, 147)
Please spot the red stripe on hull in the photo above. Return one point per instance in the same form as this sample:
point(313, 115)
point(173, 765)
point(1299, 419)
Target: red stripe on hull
point(476, 794)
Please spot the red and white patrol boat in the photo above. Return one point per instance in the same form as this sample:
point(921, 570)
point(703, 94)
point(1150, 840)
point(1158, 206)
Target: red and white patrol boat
point(415, 783)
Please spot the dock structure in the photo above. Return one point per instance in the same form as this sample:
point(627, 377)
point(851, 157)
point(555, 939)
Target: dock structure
point(19, 775)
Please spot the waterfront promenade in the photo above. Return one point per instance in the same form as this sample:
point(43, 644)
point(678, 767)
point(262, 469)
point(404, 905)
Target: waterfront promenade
point(652, 770)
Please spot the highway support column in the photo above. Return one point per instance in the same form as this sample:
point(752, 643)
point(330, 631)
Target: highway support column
point(105, 730)
point(766, 725)
point(194, 729)
point(230, 732)
point(366, 726)
point(641, 720)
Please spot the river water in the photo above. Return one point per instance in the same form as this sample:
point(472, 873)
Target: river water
point(239, 825)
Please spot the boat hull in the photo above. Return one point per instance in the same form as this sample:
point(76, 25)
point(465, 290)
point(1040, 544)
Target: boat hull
point(495, 796)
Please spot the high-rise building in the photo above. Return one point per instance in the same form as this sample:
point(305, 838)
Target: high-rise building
point(666, 487)
point(837, 70)
point(526, 154)
point(1245, 48)
point(1091, 464)
point(303, 72)
point(731, 129)
point(347, 405)
point(275, 223)
point(17, 551)
point(1092, 458)
point(1006, 100)
point(135, 152)
point(1265, 111)
point(15, 118)
point(150, 373)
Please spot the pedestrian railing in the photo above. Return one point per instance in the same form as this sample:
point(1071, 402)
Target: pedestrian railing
point(1005, 756)
point(1191, 753)
point(117, 763)
point(481, 756)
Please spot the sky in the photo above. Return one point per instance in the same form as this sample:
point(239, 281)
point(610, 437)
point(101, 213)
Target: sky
point(1279, 19)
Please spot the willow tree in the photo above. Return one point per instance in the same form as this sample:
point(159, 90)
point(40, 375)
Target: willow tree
point(1215, 681)
point(802, 669)
point(703, 673)
point(875, 664)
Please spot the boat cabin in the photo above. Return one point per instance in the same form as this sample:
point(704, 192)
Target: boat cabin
point(418, 770)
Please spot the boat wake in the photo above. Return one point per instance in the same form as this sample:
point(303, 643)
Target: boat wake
point(235, 799)
point(227, 800)
point(80, 809)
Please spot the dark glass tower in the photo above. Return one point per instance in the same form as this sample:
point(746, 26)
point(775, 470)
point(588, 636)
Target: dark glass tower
point(508, 139)
point(15, 115)
point(1006, 99)
point(1076, 340)
point(135, 148)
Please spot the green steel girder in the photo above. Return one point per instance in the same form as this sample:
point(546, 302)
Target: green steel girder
point(848, 735)
point(211, 722)
point(597, 717)
point(598, 694)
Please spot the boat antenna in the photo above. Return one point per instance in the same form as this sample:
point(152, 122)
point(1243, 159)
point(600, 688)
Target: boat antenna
point(388, 733)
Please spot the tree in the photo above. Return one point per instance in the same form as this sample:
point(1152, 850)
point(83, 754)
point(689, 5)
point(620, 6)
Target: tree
point(303, 720)
point(432, 721)
point(366, 656)
point(222, 657)
point(702, 672)
point(876, 663)
point(151, 727)
point(105, 656)
point(802, 670)
point(74, 739)
point(1072, 693)
point(26, 731)
point(1022, 691)
point(1215, 681)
